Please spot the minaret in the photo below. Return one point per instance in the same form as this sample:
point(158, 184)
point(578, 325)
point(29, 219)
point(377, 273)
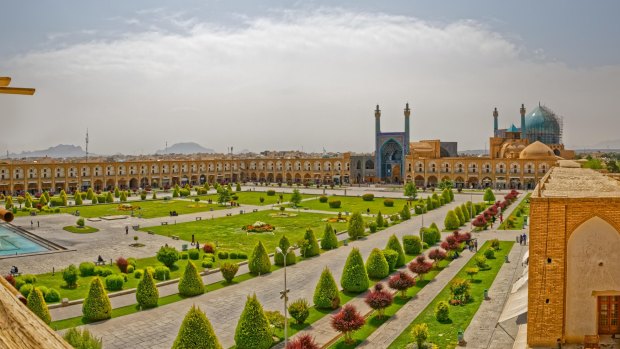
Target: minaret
point(407, 114)
point(377, 134)
point(495, 124)
point(377, 120)
point(523, 130)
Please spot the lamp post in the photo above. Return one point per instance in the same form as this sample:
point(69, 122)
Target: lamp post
point(284, 294)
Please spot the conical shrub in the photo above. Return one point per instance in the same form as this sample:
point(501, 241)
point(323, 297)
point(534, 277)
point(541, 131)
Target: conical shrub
point(191, 283)
point(394, 244)
point(329, 240)
point(196, 332)
point(253, 330)
point(312, 245)
point(326, 294)
point(459, 215)
point(376, 265)
point(259, 260)
point(96, 306)
point(380, 221)
point(290, 257)
point(356, 227)
point(147, 294)
point(451, 222)
point(36, 303)
point(354, 276)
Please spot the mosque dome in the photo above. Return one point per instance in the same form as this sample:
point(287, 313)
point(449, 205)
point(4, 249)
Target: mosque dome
point(537, 151)
point(542, 124)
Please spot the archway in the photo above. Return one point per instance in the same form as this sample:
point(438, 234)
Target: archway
point(432, 181)
point(133, 183)
point(391, 156)
point(297, 178)
point(419, 181)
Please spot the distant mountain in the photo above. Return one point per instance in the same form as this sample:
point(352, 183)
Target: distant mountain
point(59, 151)
point(185, 148)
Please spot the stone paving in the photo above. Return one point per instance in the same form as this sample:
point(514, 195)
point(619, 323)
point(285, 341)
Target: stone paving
point(157, 328)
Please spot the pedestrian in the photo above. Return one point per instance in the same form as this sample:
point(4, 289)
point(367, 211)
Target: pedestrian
point(31, 224)
point(38, 225)
point(193, 241)
point(197, 245)
point(476, 245)
point(368, 210)
point(126, 230)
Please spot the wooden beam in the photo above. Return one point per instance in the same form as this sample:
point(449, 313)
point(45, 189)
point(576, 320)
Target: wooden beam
point(4, 81)
point(17, 90)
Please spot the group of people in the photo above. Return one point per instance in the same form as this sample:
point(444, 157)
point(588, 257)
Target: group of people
point(14, 270)
point(522, 239)
point(173, 213)
point(472, 245)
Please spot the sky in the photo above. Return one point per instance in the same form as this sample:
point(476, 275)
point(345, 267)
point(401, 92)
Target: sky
point(302, 75)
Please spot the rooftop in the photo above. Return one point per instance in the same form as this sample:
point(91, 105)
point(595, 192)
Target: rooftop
point(568, 182)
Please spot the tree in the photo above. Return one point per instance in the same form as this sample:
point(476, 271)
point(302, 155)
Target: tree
point(411, 192)
point(78, 198)
point(223, 196)
point(96, 305)
point(229, 270)
point(196, 332)
point(303, 341)
point(259, 262)
point(394, 244)
point(445, 184)
point(326, 295)
point(488, 196)
point(436, 255)
point(191, 283)
point(36, 303)
point(459, 214)
point(253, 330)
point(290, 256)
point(117, 193)
point(401, 282)
point(108, 198)
point(329, 240)
point(420, 266)
point(405, 214)
point(356, 226)
point(379, 299)
point(147, 294)
point(70, 275)
point(451, 221)
point(354, 276)
point(377, 266)
point(299, 310)
point(419, 333)
point(296, 197)
point(311, 247)
point(347, 321)
point(380, 220)
point(168, 255)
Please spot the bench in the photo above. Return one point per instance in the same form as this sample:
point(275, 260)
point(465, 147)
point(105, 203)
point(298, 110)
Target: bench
point(135, 227)
point(255, 210)
point(99, 262)
point(198, 218)
point(150, 232)
point(164, 223)
point(228, 214)
point(175, 237)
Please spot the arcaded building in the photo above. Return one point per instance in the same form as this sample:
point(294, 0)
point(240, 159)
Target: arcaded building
point(574, 268)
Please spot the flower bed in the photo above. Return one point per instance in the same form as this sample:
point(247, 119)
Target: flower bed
point(128, 207)
point(259, 227)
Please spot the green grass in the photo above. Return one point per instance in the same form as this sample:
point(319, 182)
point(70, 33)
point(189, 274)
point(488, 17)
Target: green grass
point(444, 335)
point(80, 230)
point(253, 197)
point(524, 206)
point(147, 208)
point(355, 204)
point(227, 232)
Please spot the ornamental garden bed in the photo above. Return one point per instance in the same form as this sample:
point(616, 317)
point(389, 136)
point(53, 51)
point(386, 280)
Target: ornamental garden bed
point(353, 204)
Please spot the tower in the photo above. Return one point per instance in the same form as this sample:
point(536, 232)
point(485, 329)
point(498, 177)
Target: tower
point(495, 124)
point(407, 114)
point(523, 130)
point(377, 120)
point(377, 141)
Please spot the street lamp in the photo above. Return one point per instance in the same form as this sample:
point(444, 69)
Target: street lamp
point(284, 294)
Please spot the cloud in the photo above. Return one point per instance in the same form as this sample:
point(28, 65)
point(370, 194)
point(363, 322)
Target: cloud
point(297, 79)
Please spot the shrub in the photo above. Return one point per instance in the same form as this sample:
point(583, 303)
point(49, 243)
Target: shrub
point(379, 299)
point(253, 327)
point(354, 276)
point(114, 282)
point(356, 226)
point(208, 248)
point(70, 275)
point(299, 310)
point(36, 303)
point(372, 227)
point(52, 296)
point(161, 273)
point(184, 255)
point(271, 192)
point(368, 197)
point(25, 289)
point(401, 282)
point(229, 270)
point(303, 341)
point(103, 271)
point(391, 257)
point(419, 333)
point(130, 269)
point(221, 255)
point(488, 196)
point(11, 280)
point(191, 283)
point(377, 266)
point(459, 214)
point(193, 254)
point(388, 203)
point(412, 245)
point(209, 256)
point(459, 289)
point(420, 266)
point(207, 264)
point(323, 199)
point(451, 222)
point(472, 272)
point(347, 321)
point(405, 214)
point(96, 305)
point(196, 332)
point(489, 253)
point(138, 273)
point(147, 294)
point(442, 312)
point(437, 255)
point(233, 255)
point(122, 264)
point(290, 256)
point(82, 339)
point(329, 240)
point(80, 222)
point(259, 262)
point(380, 221)
point(334, 203)
point(495, 244)
point(394, 244)
point(481, 262)
point(326, 295)
point(44, 290)
point(168, 255)
point(311, 246)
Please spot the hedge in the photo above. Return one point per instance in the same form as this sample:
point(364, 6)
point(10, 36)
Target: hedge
point(334, 203)
point(368, 197)
point(412, 245)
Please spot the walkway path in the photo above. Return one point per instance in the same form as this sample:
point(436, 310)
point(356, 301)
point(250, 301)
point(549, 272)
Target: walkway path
point(157, 328)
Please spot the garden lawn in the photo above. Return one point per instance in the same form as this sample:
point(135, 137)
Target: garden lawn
point(524, 206)
point(148, 208)
point(460, 316)
point(80, 230)
point(227, 232)
point(253, 197)
point(355, 204)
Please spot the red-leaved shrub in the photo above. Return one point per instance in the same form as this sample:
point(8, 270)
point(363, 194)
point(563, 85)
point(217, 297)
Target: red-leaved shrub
point(420, 266)
point(122, 264)
point(304, 341)
point(347, 321)
point(401, 282)
point(379, 298)
point(208, 248)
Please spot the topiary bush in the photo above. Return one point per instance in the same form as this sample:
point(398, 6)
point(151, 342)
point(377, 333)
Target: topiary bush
point(52, 296)
point(191, 283)
point(193, 254)
point(326, 294)
point(253, 330)
point(368, 197)
point(377, 266)
point(380, 221)
point(459, 214)
point(391, 257)
point(87, 269)
point(356, 226)
point(334, 203)
point(271, 192)
point(290, 256)
point(372, 227)
point(259, 262)
point(70, 275)
point(207, 264)
point(299, 310)
point(196, 332)
point(405, 214)
point(388, 203)
point(412, 245)
point(329, 240)
point(147, 294)
point(354, 276)
point(394, 244)
point(451, 222)
point(311, 245)
point(138, 273)
point(489, 253)
point(114, 282)
point(442, 312)
point(222, 255)
point(25, 289)
point(161, 273)
point(36, 303)
point(96, 306)
point(168, 255)
point(229, 270)
point(82, 339)
point(323, 199)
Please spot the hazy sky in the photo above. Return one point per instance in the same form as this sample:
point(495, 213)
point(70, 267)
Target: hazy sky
point(286, 75)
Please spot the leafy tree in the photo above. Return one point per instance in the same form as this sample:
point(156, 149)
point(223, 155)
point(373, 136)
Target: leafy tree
point(229, 270)
point(259, 262)
point(377, 266)
point(354, 276)
point(168, 255)
point(436, 255)
point(347, 321)
point(401, 282)
point(296, 197)
point(196, 332)
point(488, 196)
point(223, 196)
point(290, 256)
point(405, 214)
point(420, 266)
point(394, 244)
point(311, 247)
point(82, 339)
point(253, 330)
point(326, 295)
point(379, 299)
point(147, 294)
point(96, 305)
point(191, 283)
point(419, 333)
point(451, 221)
point(36, 303)
point(329, 240)
point(411, 192)
point(356, 226)
point(70, 275)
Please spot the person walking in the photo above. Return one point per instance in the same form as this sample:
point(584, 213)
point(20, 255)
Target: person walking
point(126, 230)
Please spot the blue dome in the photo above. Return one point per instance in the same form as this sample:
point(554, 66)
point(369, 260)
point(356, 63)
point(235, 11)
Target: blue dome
point(543, 125)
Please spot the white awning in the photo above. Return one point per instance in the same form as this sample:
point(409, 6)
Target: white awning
point(526, 256)
point(515, 306)
point(519, 283)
